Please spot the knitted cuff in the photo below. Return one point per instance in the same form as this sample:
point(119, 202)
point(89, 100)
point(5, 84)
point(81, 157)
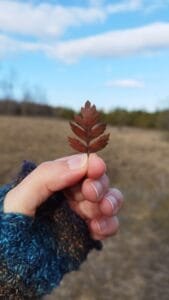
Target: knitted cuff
point(36, 252)
point(13, 231)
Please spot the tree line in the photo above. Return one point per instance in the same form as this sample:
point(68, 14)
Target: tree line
point(117, 117)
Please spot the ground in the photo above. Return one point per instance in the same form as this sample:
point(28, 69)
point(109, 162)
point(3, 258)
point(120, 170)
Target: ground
point(134, 265)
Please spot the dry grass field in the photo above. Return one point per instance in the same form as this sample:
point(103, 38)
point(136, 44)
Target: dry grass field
point(134, 265)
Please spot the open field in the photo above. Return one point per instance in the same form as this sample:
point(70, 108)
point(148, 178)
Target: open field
point(134, 265)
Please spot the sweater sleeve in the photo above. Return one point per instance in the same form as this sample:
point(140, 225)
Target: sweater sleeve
point(35, 253)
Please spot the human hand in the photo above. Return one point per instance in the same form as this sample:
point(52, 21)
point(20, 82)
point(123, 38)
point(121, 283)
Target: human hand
point(91, 199)
point(94, 201)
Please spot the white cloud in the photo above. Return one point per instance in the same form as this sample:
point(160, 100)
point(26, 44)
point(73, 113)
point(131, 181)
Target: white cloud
point(44, 19)
point(52, 20)
point(9, 45)
point(118, 43)
point(125, 83)
point(124, 6)
point(114, 44)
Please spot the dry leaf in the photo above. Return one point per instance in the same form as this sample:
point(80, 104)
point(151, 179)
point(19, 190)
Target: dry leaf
point(87, 127)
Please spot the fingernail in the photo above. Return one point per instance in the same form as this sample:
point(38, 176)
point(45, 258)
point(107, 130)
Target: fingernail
point(117, 193)
point(112, 200)
point(97, 186)
point(77, 161)
point(102, 225)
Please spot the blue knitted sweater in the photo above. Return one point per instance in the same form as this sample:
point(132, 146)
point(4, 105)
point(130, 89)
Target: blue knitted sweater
point(35, 252)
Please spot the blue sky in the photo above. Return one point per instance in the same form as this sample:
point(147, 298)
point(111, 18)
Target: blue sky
point(114, 53)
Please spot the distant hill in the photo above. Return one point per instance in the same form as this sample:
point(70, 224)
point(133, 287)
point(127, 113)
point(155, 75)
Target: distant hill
point(117, 117)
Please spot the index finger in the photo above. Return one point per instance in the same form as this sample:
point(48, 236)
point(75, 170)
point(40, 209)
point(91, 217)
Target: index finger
point(96, 166)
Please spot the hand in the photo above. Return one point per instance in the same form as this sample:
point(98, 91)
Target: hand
point(95, 202)
point(92, 199)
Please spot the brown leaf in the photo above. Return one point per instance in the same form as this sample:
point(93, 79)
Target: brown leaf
point(78, 119)
point(81, 133)
point(77, 145)
point(99, 144)
point(90, 115)
point(87, 127)
point(97, 130)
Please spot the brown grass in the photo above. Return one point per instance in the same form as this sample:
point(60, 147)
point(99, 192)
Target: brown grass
point(134, 264)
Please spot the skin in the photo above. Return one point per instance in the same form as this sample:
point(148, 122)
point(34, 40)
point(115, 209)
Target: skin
point(86, 187)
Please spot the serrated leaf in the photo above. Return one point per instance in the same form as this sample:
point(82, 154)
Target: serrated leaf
point(99, 144)
point(97, 130)
point(89, 114)
point(78, 119)
point(81, 133)
point(87, 126)
point(77, 145)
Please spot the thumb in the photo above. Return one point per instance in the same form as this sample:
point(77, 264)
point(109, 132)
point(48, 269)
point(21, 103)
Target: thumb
point(47, 178)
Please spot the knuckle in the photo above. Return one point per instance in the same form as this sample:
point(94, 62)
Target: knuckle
point(104, 180)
